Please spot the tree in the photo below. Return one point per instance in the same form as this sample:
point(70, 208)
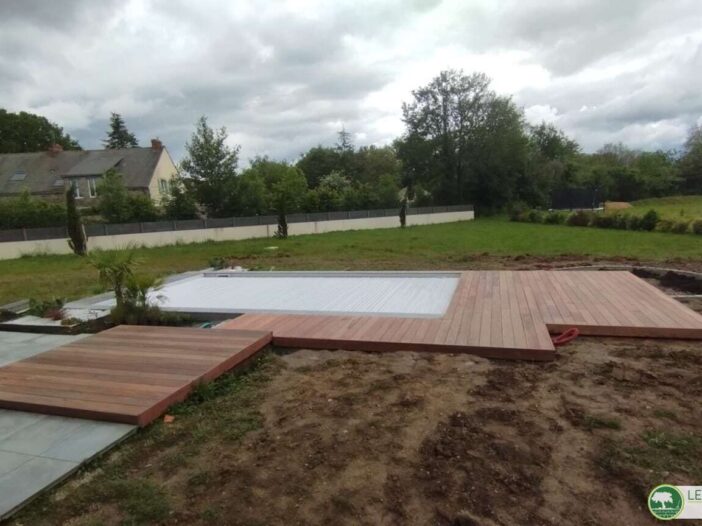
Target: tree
point(691, 162)
point(551, 142)
point(118, 136)
point(179, 203)
point(285, 186)
point(26, 132)
point(209, 169)
point(332, 191)
point(113, 196)
point(472, 141)
point(74, 224)
point(318, 162)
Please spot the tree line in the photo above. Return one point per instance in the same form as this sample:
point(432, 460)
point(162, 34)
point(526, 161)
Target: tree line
point(463, 144)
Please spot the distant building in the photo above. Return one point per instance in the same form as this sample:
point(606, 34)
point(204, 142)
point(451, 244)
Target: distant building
point(146, 170)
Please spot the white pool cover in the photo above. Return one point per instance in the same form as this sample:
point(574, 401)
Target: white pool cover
point(376, 293)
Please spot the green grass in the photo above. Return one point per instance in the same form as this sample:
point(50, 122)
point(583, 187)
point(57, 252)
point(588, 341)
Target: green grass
point(673, 208)
point(451, 245)
point(601, 422)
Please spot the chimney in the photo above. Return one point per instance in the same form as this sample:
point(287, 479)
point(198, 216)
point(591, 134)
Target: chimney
point(55, 148)
point(156, 144)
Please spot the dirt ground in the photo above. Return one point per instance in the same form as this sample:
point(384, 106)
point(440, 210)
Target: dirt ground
point(405, 438)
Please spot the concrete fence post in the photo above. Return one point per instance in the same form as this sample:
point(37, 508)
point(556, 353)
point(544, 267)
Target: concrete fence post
point(24, 234)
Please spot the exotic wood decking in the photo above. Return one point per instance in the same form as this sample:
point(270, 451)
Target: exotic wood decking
point(500, 314)
point(127, 374)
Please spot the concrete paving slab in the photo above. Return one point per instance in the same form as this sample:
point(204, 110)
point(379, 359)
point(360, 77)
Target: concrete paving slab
point(12, 422)
point(27, 479)
point(10, 461)
point(15, 346)
point(38, 451)
point(42, 450)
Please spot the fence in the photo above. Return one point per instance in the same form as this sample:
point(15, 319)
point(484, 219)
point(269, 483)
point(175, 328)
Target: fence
point(116, 229)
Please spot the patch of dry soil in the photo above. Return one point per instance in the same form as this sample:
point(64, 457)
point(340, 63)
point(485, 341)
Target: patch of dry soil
point(407, 438)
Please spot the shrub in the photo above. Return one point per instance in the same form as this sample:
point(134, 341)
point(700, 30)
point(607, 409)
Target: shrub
point(579, 218)
point(516, 210)
point(535, 216)
point(680, 227)
point(665, 225)
point(554, 218)
point(633, 222)
point(697, 227)
point(603, 221)
point(26, 211)
point(649, 220)
point(619, 221)
point(52, 308)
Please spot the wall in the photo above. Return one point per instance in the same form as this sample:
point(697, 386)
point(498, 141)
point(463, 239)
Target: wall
point(15, 249)
point(165, 169)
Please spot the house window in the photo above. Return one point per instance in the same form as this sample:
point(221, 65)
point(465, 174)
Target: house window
point(19, 175)
point(92, 186)
point(163, 186)
point(76, 190)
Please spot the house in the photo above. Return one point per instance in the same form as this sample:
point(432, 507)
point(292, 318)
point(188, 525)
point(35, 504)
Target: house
point(49, 173)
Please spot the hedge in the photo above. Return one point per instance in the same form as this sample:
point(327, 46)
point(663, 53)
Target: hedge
point(619, 220)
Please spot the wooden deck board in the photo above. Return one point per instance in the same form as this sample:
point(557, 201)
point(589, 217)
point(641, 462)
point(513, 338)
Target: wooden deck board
point(126, 374)
point(502, 314)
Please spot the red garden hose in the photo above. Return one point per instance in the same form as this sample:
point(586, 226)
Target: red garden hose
point(565, 337)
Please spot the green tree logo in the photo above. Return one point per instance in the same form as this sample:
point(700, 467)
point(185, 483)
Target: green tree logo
point(665, 502)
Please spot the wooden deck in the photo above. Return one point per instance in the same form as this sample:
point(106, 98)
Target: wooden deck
point(127, 374)
point(500, 314)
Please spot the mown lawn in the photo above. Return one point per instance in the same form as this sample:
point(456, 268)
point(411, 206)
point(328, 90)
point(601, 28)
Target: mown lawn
point(674, 208)
point(450, 245)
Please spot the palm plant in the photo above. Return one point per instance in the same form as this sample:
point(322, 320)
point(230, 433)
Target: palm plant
point(115, 269)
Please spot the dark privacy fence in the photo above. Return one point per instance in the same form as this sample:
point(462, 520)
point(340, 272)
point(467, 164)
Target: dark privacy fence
point(575, 198)
point(36, 234)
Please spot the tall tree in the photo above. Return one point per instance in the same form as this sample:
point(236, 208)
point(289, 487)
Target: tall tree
point(26, 132)
point(691, 162)
point(118, 136)
point(475, 139)
point(285, 187)
point(209, 169)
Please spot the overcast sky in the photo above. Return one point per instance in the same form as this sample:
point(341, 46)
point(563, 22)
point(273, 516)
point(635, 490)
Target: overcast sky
point(284, 76)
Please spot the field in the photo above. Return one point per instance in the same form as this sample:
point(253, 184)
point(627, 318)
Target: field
point(673, 208)
point(484, 243)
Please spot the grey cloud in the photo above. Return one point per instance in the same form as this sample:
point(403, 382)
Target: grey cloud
point(280, 78)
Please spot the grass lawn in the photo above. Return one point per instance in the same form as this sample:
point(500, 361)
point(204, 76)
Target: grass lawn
point(449, 245)
point(674, 208)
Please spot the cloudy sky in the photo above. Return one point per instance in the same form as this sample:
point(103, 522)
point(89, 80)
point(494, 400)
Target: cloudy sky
point(283, 76)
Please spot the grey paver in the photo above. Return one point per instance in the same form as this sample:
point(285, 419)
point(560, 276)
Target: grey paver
point(36, 450)
point(29, 478)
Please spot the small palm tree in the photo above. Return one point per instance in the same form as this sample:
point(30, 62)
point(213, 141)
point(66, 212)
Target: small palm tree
point(115, 269)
